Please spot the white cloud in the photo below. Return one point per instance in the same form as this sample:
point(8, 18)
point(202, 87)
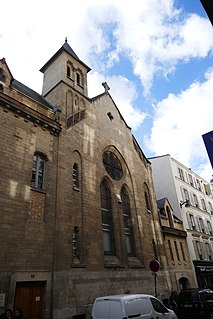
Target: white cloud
point(157, 40)
point(179, 123)
point(152, 34)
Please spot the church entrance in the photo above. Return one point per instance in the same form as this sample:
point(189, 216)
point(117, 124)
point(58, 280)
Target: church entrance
point(29, 296)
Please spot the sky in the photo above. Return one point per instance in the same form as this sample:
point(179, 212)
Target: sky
point(155, 55)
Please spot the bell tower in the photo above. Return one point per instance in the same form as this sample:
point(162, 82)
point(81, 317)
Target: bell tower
point(65, 66)
point(65, 80)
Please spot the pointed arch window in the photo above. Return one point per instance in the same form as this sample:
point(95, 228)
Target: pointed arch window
point(128, 224)
point(38, 171)
point(107, 221)
point(112, 165)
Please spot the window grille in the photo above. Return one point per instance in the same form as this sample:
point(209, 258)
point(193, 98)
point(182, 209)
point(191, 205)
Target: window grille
point(38, 168)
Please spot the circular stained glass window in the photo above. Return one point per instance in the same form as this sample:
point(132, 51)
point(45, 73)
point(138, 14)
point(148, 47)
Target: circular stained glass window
point(112, 165)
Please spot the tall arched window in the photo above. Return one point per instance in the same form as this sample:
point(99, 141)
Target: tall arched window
point(38, 170)
point(107, 222)
point(147, 199)
point(128, 224)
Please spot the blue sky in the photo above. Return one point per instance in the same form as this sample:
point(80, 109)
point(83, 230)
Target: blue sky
point(156, 56)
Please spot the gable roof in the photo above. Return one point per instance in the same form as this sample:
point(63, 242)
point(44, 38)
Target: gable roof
point(3, 61)
point(30, 93)
point(105, 94)
point(142, 155)
point(161, 203)
point(67, 48)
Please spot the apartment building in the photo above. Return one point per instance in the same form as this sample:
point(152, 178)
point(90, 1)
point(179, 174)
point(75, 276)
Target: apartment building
point(175, 242)
point(191, 197)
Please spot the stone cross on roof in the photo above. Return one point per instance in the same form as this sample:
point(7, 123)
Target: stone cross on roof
point(106, 87)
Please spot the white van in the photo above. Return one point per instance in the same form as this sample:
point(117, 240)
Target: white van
point(130, 306)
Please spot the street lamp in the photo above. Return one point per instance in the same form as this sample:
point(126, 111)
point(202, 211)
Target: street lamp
point(186, 202)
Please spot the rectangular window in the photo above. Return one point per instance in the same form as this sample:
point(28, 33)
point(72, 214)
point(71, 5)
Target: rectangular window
point(201, 223)
point(75, 176)
point(195, 201)
point(170, 250)
point(177, 252)
point(181, 174)
point(75, 248)
point(37, 179)
point(198, 184)
point(78, 77)
point(209, 226)
point(182, 251)
point(68, 71)
point(186, 195)
point(203, 204)
point(208, 251)
point(191, 180)
point(199, 250)
point(207, 189)
point(192, 221)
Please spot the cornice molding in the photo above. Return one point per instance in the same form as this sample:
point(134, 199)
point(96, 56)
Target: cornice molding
point(29, 115)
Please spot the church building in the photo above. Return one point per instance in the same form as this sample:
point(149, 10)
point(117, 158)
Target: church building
point(79, 217)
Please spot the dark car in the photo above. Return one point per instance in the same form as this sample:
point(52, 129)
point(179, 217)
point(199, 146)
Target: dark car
point(195, 303)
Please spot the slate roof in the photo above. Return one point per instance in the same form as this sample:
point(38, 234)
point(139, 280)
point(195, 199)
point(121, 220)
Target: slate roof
point(30, 93)
point(161, 202)
point(67, 48)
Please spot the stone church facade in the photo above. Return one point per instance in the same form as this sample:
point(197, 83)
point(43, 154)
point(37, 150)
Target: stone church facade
point(78, 210)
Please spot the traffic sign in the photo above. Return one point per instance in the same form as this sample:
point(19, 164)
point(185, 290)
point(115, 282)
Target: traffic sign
point(154, 265)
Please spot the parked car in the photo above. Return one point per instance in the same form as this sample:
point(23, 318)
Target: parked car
point(195, 303)
point(140, 306)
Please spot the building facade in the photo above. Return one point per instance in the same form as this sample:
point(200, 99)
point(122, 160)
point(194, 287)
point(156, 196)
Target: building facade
point(191, 198)
point(79, 217)
point(177, 252)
